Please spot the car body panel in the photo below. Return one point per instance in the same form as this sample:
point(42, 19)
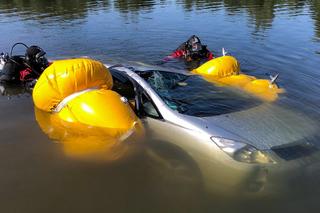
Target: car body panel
point(266, 126)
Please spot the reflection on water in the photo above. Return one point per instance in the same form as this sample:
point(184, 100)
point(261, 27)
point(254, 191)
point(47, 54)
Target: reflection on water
point(315, 10)
point(9, 89)
point(261, 13)
point(42, 10)
point(80, 141)
point(126, 6)
point(268, 37)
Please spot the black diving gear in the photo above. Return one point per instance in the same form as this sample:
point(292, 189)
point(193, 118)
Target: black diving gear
point(23, 68)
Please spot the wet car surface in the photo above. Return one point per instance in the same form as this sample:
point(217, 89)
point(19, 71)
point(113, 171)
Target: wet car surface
point(249, 142)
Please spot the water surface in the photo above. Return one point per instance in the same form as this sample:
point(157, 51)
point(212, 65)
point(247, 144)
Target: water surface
point(267, 37)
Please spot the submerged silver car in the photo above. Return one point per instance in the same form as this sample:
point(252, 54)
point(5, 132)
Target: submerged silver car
point(238, 143)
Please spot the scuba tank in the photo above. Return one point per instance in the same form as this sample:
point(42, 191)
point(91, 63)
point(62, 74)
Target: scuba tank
point(11, 69)
point(11, 65)
point(3, 60)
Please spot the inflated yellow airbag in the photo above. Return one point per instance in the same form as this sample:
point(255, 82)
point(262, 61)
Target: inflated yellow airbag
point(263, 89)
point(225, 70)
point(100, 108)
point(219, 67)
point(237, 80)
point(65, 77)
point(75, 106)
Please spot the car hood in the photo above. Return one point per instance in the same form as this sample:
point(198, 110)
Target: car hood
point(266, 126)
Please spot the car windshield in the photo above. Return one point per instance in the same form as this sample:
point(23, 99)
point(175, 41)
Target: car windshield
point(192, 95)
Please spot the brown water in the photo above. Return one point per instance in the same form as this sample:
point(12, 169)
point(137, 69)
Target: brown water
point(267, 37)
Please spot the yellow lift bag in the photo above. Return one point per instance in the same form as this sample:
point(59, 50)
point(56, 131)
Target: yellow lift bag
point(225, 70)
point(74, 101)
point(65, 77)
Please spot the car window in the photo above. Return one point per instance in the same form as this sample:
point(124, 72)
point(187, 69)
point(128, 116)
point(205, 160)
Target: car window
point(148, 107)
point(123, 86)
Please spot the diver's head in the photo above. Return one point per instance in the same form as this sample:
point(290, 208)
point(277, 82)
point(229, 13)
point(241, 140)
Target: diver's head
point(36, 56)
point(193, 40)
point(194, 52)
point(196, 47)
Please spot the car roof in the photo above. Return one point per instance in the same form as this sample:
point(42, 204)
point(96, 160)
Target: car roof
point(140, 69)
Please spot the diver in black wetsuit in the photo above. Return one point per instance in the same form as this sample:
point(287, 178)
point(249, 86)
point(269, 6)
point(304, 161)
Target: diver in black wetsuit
point(23, 69)
point(192, 51)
